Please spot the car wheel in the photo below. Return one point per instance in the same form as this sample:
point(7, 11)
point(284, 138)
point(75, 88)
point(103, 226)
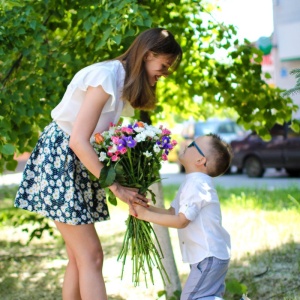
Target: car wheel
point(293, 172)
point(181, 169)
point(239, 171)
point(228, 171)
point(254, 167)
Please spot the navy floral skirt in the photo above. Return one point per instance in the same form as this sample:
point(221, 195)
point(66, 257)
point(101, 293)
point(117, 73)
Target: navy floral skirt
point(56, 185)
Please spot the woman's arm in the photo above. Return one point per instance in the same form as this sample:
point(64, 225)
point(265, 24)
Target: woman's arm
point(83, 128)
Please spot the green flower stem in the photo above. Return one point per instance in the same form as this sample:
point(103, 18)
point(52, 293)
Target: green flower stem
point(141, 239)
point(130, 161)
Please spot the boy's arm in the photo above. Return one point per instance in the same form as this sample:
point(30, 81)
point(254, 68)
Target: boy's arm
point(161, 216)
point(160, 210)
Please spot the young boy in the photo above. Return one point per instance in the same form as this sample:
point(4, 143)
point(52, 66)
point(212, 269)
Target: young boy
point(196, 213)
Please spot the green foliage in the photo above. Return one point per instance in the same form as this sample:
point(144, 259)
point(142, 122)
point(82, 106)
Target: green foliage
point(296, 88)
point(235, 289)
point(44, 43)
point(175, 296)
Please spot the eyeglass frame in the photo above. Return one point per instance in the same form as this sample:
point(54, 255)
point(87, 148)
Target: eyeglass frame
point(193, 143)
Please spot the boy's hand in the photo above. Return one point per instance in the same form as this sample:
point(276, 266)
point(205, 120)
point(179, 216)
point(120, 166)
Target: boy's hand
point(138, 211)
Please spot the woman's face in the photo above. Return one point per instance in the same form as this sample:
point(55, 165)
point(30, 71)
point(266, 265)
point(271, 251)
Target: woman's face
point(157, 65)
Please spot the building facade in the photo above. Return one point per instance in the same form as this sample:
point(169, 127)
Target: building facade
point(285, 53)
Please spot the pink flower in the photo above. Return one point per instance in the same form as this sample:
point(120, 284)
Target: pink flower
point(166, 132)
point(164, 156)
point(115, 139)
point(127, 130)
point(123, 150)
point(115, 157)
point(174, 143)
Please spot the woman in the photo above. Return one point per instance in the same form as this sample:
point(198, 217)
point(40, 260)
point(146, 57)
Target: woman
point(56, 179)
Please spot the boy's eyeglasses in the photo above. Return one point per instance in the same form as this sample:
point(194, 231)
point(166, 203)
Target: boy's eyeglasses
point(198, 149)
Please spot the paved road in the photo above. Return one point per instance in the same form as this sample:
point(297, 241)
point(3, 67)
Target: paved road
point(271, 180)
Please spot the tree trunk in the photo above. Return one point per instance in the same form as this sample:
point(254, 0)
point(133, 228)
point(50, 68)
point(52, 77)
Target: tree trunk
point(163, 233)
point(165, 243)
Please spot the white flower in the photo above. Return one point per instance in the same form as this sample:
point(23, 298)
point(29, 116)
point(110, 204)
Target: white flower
point(110, 132)
point(147, 154)
point(57, 162)
point(113, 149)
point(102, 156)
point(150, 133)
point(56, 194)
point(156, 148)
point(139, 129)
point(48, 169)
point(154, 129)
point(141, 137)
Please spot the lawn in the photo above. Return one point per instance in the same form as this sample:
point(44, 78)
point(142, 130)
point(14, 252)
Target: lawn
point(264, 227)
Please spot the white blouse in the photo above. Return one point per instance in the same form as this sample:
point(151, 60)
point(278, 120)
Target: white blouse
point(110, 75)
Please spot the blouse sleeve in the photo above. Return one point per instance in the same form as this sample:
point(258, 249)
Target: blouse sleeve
point(104, 77)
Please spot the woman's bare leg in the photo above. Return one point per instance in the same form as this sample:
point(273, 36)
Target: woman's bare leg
point(71, 279)
point(84, 245)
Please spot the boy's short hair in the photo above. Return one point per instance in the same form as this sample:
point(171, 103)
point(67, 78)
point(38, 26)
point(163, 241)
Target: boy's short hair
point(219, 156)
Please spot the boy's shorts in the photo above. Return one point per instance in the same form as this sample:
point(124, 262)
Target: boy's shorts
point(206, 280)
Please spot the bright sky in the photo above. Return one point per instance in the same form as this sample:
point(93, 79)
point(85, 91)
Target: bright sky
point(254, 18)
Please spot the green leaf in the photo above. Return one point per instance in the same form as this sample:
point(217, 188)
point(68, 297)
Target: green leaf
point(11, 165)
point(295, 126)
point(107, 176)
point(117, 39)
point(111, 197)
point(153, 198)
point(7, 149)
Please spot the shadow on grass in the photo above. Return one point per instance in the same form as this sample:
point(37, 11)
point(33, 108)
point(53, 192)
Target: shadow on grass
point(30, 272)
point(270, 274)
point(36, 271)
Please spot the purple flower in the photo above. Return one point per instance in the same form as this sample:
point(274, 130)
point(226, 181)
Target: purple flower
point(121, 144)
point(165, 143)
point(130, 142)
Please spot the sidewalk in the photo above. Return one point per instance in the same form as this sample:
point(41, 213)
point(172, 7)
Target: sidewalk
point(14, 178)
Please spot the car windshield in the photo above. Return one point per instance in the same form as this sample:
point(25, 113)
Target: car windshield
point(204, 128)
point(223, 128)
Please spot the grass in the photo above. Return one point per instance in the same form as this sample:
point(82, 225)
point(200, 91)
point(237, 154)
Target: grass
point(264, 227)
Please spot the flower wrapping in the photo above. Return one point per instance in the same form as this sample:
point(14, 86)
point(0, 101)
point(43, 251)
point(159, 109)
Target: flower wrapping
point(132, 156)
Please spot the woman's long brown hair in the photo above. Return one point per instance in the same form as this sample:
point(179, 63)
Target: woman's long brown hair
point(137, 89)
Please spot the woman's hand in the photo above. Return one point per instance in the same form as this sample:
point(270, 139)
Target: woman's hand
point(129, 196)
point(138, 211)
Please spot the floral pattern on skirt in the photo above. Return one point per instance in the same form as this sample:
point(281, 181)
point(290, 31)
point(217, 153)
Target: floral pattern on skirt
point(56, 185)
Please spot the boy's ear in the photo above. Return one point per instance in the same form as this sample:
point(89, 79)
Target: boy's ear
point(200, 161)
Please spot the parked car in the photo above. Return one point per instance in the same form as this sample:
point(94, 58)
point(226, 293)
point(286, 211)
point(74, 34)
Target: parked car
point(254, 155)
point(227, 129)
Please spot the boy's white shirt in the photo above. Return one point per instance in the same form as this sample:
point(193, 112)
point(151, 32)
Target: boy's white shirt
point(204, 236)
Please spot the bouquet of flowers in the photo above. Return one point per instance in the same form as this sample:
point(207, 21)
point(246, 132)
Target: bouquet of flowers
point(132, 156)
